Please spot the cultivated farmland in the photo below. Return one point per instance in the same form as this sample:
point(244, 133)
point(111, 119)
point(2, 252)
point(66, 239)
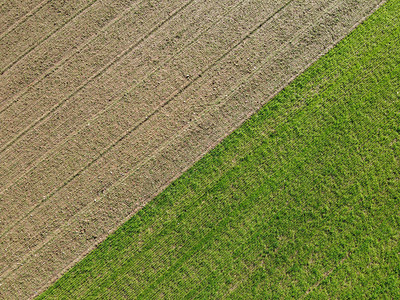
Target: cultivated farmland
point(103, 104)
point(302, 201)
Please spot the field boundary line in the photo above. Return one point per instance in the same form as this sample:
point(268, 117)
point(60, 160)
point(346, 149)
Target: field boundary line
point(128, 217)
point(66, 57)
point(325, 132)
point(227, 97)
point(46, 38)
point(145, 119)
point(94, 245)
point(246, 36)
point(23, 18)
point(51, 151)
point(285, 85)
point(195, 120)
point(285, 122)
point(120, 181)
point(95, 75)
point(113, 103)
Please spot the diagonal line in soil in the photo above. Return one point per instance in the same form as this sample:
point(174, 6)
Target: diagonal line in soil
point(66, 57)
point(94, 76)
point(127, 132)
point(114, 102)
point(23, 18)
point(158, 150)
point(257, 27)
point(233, 92)
point(10, 65)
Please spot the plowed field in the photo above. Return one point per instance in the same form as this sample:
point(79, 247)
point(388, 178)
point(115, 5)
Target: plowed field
point(104, 103)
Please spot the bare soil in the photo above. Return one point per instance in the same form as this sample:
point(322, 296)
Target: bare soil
point(107, 88)
point(38, 27)
point(14, 12)
point(91, 143)
point(46, 57)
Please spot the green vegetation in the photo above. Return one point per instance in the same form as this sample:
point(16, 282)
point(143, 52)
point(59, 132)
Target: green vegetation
point(300, 201)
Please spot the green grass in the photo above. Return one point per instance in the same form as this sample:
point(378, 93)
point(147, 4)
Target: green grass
point(300, 201)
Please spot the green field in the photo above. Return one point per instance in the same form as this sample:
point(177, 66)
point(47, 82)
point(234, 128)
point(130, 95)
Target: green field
point(302, 201)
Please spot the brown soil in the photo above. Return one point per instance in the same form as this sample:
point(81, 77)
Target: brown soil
point(49, 55)
point(52, 16)
point(107, 88)
point(14, 12)
point(91, 143)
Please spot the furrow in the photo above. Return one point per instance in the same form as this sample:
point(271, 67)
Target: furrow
point(211, 125)
point(267, 30)
point(109, 49)
point(284, 120)
point(144, 182)
point(11, 11)
point(159, 48)
point(136, 157)
point(46, 58)
point(15, 174)
point(40, 27)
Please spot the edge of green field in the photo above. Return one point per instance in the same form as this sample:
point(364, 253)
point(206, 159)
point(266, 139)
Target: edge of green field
point(301, 201)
